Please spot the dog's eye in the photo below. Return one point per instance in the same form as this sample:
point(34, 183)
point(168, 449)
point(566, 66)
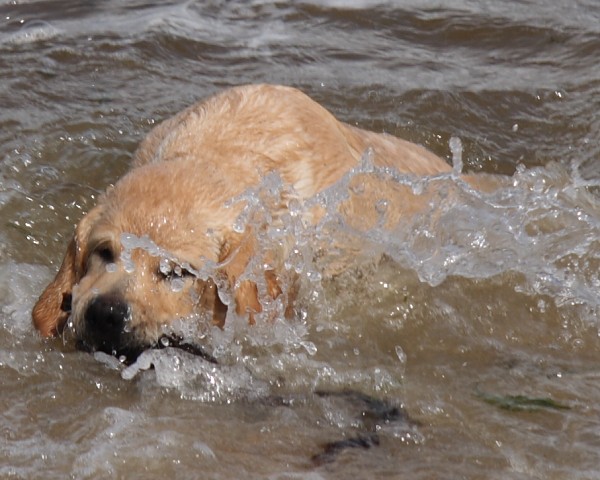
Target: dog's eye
point(106, 254)
point(65, 305)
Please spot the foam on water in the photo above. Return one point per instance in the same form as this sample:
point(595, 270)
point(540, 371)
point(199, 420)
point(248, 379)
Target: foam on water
point(197, 379)
point(31, 32)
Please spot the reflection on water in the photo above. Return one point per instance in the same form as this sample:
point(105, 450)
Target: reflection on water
point(477, 319)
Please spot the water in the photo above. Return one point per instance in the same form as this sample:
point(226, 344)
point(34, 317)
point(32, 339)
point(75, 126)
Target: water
point(478, 318)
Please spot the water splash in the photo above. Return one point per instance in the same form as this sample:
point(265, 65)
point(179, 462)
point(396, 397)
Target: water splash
point(197, 379)
point(456, 148)
point(541, 224)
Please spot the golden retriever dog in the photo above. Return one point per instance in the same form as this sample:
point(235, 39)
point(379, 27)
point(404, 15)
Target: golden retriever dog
point(137, 261)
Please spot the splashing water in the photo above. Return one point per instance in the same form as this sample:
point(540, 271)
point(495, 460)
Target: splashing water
point(541, 225)
point(456, 148)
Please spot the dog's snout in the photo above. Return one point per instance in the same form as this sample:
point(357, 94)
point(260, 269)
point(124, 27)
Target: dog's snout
point(105, 321)
point(107, 313)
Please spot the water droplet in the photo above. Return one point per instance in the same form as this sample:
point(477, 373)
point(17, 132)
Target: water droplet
point(541, 305)
point(381, 206)
point(239, 225)
point(314, 276)
point(401, 355)
point(177, 284)
point(165, 267)
point(294, 207)
point(310, 347)
point(456, 148)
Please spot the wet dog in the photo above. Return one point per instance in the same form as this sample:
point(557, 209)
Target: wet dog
point(138, 260)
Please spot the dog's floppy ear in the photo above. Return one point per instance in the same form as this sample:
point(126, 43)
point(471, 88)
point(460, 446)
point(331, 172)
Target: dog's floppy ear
point(53, 308)
point(236, 254)
point(210, 301)
point(246, 295)
point(54, 305)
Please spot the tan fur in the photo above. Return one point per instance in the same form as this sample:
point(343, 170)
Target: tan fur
point(183, 176)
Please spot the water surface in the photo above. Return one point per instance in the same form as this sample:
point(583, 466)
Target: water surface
point(479, 319)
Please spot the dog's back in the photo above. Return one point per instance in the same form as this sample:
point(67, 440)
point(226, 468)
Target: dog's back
point(248, 131)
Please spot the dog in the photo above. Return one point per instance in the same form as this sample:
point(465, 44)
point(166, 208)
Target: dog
point(138, 260)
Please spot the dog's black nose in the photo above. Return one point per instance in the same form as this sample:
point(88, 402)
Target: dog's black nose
point(105, 321)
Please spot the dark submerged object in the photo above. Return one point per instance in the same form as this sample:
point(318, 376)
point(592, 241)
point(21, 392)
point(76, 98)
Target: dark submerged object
point(373, 413)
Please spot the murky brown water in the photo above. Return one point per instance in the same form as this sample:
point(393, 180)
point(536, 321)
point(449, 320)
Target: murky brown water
point(481, 321)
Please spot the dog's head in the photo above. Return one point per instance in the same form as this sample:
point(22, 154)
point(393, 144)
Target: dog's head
point(138, 262)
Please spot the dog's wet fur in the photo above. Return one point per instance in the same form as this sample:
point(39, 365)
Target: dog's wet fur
point(173, 214)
